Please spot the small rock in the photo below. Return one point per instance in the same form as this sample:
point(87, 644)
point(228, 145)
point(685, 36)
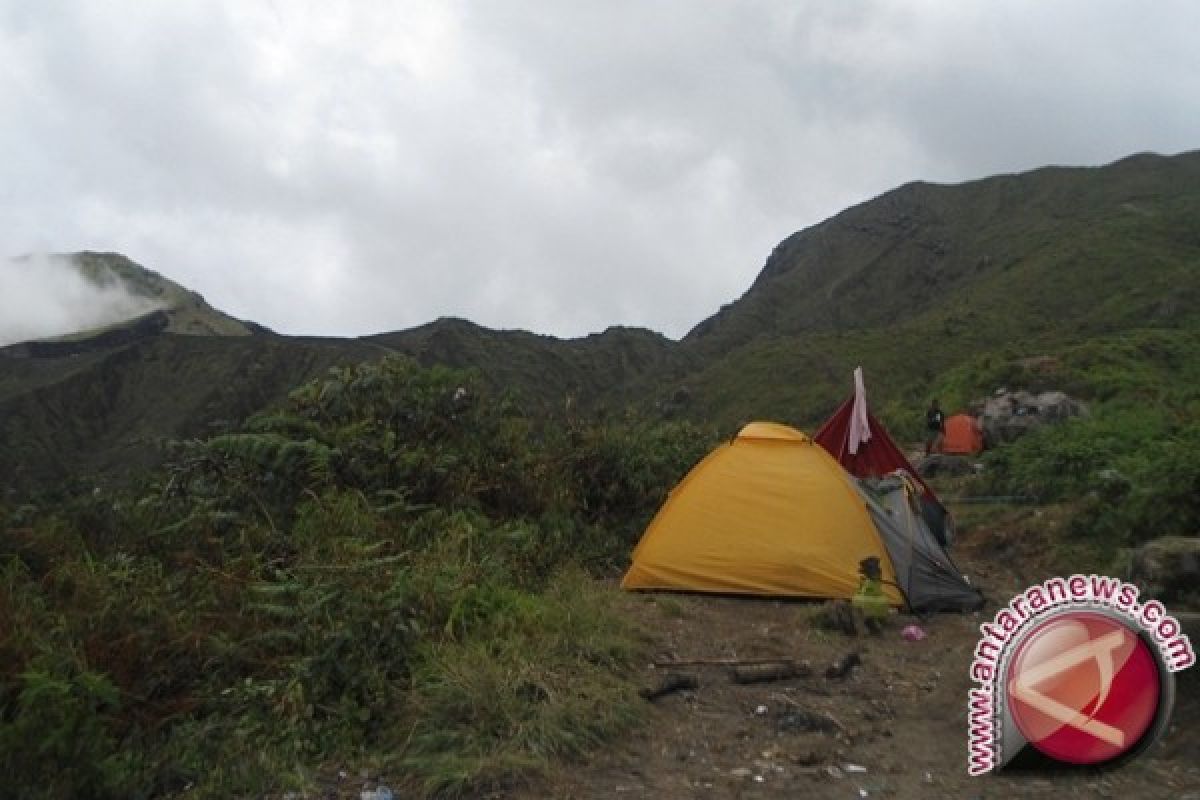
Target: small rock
point(671, 682)
point(797, 720)
point(808, 758)
point(842, 667)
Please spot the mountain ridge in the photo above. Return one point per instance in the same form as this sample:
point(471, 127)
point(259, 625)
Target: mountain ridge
point(910, 284)
point(911, 218)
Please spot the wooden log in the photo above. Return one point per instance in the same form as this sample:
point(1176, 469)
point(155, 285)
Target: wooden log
point(671, 682)
point(762, 673)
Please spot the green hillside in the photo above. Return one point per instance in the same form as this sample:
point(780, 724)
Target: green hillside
point(926, 277)
point(103, 415)
point(1052, 246)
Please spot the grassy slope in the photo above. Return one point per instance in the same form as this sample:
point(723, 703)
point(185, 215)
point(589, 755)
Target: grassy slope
point(926, 278)
point(103, 416)
point(922, 246)
point(188, 311)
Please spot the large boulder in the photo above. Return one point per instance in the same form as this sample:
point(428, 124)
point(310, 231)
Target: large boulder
point(1168, 568)
point(1009, 415)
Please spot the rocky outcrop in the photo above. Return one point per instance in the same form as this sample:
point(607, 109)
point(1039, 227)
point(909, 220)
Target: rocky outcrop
point(1168, 569)
point(1010, 415)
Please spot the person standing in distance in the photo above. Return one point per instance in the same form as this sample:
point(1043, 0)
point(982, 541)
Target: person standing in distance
point(935, 428)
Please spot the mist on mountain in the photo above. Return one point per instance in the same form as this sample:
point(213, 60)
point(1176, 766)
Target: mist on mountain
point(46, 295)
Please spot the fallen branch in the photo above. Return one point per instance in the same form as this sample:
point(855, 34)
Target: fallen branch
point(837, 722)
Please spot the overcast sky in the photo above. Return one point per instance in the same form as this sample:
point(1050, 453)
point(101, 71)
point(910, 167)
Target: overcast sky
point(353, 167)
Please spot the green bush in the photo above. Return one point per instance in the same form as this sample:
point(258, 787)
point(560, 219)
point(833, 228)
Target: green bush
point(57, 734)
point(1060, 461)
point(387, 570)
point(1130, 474)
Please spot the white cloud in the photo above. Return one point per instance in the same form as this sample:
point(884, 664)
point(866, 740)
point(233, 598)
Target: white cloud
point(351, 167)
point(43, 296)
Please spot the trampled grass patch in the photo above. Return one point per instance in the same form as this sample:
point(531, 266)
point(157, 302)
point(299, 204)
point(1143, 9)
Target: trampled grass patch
point(550, 681)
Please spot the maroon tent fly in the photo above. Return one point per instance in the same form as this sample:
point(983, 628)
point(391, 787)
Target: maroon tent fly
point(874, 456)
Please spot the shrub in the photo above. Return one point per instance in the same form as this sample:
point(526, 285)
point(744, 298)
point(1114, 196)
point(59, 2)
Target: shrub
point(57, 735)
point(385, 560)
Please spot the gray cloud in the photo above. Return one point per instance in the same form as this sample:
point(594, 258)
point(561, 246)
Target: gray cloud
point(349, 167)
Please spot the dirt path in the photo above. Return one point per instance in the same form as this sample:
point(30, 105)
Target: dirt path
point(900, 715)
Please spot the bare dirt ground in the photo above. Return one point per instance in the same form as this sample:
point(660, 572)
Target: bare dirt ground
point(898, 721)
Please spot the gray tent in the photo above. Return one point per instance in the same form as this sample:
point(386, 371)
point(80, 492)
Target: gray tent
point(924, 572)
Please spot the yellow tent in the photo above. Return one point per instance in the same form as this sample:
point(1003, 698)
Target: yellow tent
point(770, 513)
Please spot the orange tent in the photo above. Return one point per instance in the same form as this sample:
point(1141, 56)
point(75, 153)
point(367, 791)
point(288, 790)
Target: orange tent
point(963, 436)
